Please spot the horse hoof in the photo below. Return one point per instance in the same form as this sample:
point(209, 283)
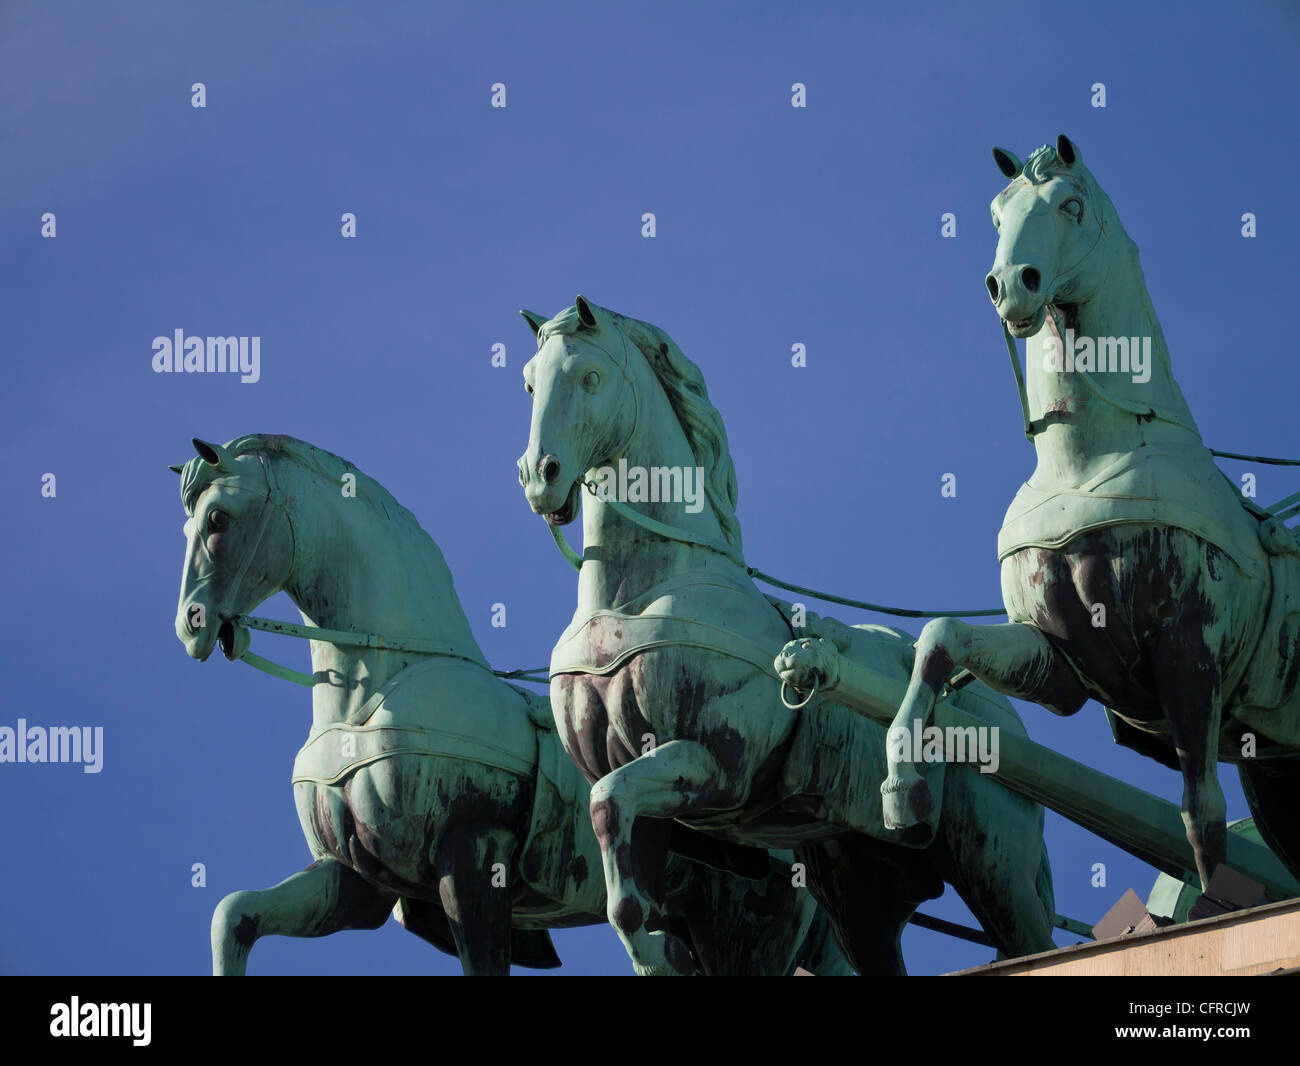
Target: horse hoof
point(906, 803)
point(664, 956)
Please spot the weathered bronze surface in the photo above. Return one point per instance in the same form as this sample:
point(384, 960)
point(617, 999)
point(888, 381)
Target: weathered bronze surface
point(664, 690)
point(1133, 571)
point(428, 787)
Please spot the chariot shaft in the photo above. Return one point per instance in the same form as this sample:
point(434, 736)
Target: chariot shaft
point(1142, 824)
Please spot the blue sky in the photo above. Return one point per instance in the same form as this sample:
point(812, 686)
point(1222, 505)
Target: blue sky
point(775, 226)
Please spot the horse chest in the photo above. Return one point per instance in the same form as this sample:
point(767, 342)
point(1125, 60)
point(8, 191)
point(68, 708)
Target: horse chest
point(600, 720)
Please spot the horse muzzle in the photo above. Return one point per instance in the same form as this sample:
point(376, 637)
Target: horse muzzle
point(567, 511)
point(1028, 326)
point(543, 486)
point(1017, 293)
point(199, 640)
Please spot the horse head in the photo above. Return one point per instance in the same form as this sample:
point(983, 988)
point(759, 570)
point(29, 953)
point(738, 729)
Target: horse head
point(584, 405)
point(1051, 221)
point(240, 546)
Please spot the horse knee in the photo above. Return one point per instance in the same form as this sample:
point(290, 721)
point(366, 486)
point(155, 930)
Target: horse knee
point(942, 632)
point(939, 648)
point(235, 919)
point(605, 816)
point(626, 915)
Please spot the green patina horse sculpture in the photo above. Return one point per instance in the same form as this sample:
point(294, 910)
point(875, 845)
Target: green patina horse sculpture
point(1133, 571)
point(662, 686)
point(428, 787)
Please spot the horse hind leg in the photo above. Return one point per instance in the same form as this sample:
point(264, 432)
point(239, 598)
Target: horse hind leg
point(867, 900)
point(317, 901)
point(743, 927)
point(1187, 682)
point(1272, 790)
point(1002, 872)
point(474, 875)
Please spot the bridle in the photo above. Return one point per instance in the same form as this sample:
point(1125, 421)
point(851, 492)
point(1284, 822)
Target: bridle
point(660, 529)
point(274, 501)
point(1145, 412)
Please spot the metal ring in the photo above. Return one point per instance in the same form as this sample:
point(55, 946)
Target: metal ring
point(796, 706)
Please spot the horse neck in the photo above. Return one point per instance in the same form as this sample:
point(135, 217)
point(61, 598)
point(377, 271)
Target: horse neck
point(1098, 429)
point(356, 570)
point(623, 560)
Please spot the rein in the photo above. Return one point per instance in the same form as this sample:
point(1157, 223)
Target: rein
point(275, 499)
point(1149, 412)
point(350, 639)
point(682, 536)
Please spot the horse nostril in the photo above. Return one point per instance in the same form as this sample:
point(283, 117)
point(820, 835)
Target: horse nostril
point(549, 468)
point(1030, 279)
point(992, 283)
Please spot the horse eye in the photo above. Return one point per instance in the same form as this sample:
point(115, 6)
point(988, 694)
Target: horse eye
point(218, 521)
point(1073, 207)
point(591, 379)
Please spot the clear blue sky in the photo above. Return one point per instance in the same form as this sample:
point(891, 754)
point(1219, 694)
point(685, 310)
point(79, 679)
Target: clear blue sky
point(776, 226)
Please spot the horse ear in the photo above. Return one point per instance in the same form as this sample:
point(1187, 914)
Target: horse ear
point(214, 455)
point(534, 320)
point(585, 312)
point(174, 468)
point(1067, 150)
point(1007, 162)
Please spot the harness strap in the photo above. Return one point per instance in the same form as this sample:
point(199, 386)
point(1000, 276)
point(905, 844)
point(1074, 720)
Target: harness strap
point(1020, 380)
point(666, 631)
point(651, 525)
point(1033, 428)
point(348, 638)
point(276, 670)
point(323, 763)
point(685, 537)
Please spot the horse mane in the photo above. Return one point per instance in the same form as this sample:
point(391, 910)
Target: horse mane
point(198, 474)
point(683, 382)
point(1043, 163)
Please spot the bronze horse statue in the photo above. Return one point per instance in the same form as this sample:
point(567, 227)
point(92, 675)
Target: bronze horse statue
point(428, 787)
point(663, 686)
point(1133, 571)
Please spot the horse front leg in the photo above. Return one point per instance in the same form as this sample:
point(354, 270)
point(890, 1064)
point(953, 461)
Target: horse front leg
point(317, 901)
point(1187, 682)
point(1014, 658)
point(631, 812)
